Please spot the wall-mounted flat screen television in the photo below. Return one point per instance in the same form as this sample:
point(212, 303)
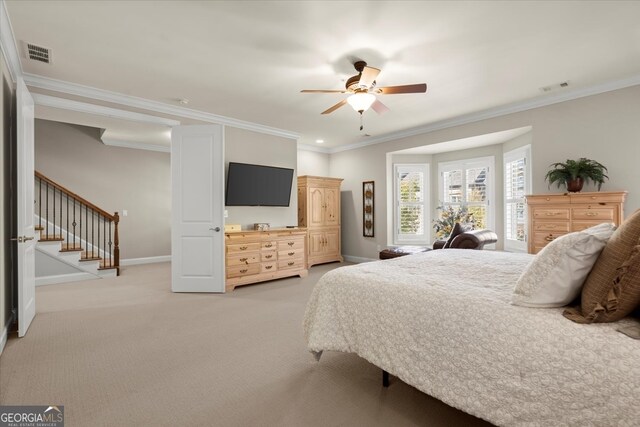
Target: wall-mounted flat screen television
point(257, 185)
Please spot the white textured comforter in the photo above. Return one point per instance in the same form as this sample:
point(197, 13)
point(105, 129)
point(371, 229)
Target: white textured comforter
point(442, 321)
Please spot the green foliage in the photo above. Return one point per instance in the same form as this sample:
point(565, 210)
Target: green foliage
point(588, 170)
point(411, 216)
point(448, 217)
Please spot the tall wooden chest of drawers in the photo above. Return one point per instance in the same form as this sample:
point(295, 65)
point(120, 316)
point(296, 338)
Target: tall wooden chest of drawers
point(257, 256)
point(552, 215)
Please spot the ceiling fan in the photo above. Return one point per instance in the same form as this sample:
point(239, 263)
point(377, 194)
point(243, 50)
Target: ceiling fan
point(363, 90)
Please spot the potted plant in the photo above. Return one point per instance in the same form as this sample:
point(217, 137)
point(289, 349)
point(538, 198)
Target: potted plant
point(448, 217)
point(574, 173)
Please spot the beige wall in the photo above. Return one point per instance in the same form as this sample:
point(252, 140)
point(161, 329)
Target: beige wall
point(244, 146)
point(114, 179)
point(313, 163)
point(603, 127)
point(6, 107)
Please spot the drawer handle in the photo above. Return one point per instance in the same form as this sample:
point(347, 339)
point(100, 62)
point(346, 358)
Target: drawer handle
point(592, 213)
point(268, 256)
point(268, 267)
point(290, 263)
point(292, 253)
point(244, 248)
point(268, 245)
point(291, 243)
point(244, 270)
point(243, 259)
point(552, 213)
point(549, 238)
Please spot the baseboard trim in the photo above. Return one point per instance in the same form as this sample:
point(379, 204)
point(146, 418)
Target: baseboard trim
point(148, 260)
point(357, 259)
point(64, 278)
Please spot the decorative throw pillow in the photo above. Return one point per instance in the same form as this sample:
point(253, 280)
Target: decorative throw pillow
point(457, 229)
point(604, 274)
point(555, 276)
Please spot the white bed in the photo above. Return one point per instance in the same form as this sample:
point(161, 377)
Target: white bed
point(442, 321)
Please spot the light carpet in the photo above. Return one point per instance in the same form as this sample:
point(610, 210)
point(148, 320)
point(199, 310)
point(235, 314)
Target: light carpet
point(127, 352)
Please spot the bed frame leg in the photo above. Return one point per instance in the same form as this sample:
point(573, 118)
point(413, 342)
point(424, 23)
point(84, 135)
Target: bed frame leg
point(385, 378)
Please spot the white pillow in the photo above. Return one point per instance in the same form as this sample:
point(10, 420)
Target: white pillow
point(555, 276)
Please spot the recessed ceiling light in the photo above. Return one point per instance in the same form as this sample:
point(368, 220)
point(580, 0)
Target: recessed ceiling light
point(320, 141)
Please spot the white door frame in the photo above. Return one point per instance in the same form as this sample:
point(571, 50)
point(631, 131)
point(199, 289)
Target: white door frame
point(197, 209)
point(25, 239)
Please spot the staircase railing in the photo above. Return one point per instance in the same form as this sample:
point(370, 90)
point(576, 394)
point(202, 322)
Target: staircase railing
point(82, 226)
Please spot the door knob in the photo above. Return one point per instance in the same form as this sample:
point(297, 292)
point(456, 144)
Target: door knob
point(21, 239)
point(217, 229)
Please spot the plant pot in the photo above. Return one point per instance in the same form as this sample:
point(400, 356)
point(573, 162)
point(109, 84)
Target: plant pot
point(575, 185)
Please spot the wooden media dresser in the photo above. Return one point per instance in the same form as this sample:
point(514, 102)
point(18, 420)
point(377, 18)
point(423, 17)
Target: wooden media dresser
point(258, 256)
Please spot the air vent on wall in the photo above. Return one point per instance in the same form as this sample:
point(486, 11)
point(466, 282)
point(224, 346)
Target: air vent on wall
point(38, 53)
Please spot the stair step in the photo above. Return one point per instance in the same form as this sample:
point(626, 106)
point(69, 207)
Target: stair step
point(38, 228)
point(90, 256)
point(106, 265)
point(70, 247)
point(51, 238)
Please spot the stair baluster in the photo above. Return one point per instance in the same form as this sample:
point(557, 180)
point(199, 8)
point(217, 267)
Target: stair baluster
point(67, 239)
point(54, 212)
point(46, 211)
point(110, 242)
point(75, 235)
point(39, 204)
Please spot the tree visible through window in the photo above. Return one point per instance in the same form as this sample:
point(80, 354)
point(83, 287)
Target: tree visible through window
point(412, 203)
point(516, 186)
point(468, 183)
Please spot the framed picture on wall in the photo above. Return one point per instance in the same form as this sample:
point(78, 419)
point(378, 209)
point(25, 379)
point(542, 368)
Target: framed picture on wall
point(368, 194)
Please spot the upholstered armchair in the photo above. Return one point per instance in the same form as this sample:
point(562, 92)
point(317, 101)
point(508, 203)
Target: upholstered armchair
point(474, 239)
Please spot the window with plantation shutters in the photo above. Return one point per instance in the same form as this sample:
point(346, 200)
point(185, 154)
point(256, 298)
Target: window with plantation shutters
point(517, 184)
point(469, 183)
point(411, 214)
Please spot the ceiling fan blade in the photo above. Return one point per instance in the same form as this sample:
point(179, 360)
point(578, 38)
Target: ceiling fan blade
point(322, 91)
point(391, 90)
point(368, 76)
point(335, 107)
point(379, 107)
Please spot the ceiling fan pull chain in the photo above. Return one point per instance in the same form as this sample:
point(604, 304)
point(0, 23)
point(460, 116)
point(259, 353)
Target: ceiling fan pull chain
point(361, 123)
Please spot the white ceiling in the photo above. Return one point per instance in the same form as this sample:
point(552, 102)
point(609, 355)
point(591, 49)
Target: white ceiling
point(249, 60)
point(124, 131)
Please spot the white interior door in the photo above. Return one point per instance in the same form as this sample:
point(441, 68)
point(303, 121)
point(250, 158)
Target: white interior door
point(25, 239)
point(197, 209)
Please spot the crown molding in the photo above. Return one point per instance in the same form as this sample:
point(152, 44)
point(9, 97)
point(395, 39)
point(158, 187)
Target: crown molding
point(307, 147)
point(135, 145)
point(146, 104)
point(503, 110)
point(84, 107)
point(8, 44)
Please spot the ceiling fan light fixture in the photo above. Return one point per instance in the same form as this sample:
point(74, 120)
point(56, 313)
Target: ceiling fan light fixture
point(361, 101)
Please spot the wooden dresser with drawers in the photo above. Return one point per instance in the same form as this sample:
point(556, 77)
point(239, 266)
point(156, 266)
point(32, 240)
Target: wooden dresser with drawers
point(552, 215)
point(257, 256)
